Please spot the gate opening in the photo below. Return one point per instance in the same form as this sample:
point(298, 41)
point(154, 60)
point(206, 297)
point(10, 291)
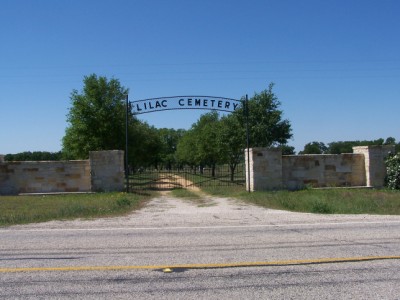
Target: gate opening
point(147, 179)
point(185, 177)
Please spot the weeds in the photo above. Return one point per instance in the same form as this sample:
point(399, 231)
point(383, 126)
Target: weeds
point(324, 201)
point(30, 209)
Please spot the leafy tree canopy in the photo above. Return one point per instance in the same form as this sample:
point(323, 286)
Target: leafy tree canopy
point(96, 118)
point(314, 148)
point(200, 145)
point(266, 126)
point(287, 150)
point(169, 139)
point(347, 146)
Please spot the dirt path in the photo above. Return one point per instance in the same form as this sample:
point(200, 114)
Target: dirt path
point(169, 181)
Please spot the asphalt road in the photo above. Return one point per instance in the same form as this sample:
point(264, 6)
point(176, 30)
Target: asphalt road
point(245, 253)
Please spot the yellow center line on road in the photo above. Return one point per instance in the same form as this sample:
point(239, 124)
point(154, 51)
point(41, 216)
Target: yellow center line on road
point(203, 266)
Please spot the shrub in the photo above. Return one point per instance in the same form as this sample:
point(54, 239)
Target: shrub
point(123, 202)
point(321, 207)
point(392, 179)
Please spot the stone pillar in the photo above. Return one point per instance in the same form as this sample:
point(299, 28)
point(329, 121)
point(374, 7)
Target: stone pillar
point(375, 170)
point(107, 170)
point(1, 158)
point(265, 169)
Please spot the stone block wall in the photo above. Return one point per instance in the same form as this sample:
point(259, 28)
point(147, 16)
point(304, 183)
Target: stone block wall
point(270, 170)
point(104, 171)
point(107, 170)
point(323, 170)
point(44, 177)
point(265, 169)
point(374, 166)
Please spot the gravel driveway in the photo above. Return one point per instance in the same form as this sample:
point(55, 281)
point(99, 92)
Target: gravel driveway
point(167, 211)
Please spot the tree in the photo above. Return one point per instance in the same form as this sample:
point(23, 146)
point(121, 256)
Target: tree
point(144, 145)
point(206, 132)
point(287, 150)
point(186, 150)
point(96, 118)
point(347, 146)
point(390, 141)
point(169, 139)
point(266, 126)
point(314, 148)
point(232, 142)
point(202, 144)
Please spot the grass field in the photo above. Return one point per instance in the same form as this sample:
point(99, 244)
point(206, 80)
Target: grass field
point(326, 201)
point(31, 209)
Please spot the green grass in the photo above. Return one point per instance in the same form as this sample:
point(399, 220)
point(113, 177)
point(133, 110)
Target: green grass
point(325, 201)
point(33, 209)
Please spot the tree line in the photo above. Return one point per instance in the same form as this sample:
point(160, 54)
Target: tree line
point(345, 146)
point(34, 156)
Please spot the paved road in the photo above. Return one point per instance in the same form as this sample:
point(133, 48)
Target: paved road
point(125, 257)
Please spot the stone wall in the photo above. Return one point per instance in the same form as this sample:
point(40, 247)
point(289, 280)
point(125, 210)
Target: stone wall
point(374, 166)
point(107, 170)
point(270, 170)
point(44, 177)
point(104, 171)
point(265, 169)
point(323, 170)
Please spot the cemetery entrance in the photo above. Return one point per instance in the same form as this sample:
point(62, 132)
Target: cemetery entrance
point(184, 175)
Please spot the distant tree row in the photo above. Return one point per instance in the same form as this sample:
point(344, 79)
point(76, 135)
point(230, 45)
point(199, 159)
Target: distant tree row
point(34, 156)
point(345, 146)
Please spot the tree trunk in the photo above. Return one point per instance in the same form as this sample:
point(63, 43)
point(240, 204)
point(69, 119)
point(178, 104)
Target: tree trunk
point(232, 167)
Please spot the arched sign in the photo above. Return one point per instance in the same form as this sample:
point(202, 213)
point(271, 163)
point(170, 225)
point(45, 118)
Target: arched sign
point(184, 102)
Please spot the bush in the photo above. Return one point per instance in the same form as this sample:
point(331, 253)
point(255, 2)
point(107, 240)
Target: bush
point(392, 179)
point(321, 207)
point(123, 202)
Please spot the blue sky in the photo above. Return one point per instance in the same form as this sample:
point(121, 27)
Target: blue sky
point(335, 63)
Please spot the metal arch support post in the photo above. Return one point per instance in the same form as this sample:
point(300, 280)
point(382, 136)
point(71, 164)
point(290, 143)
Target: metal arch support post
point(126, 145)
point(247, 140)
